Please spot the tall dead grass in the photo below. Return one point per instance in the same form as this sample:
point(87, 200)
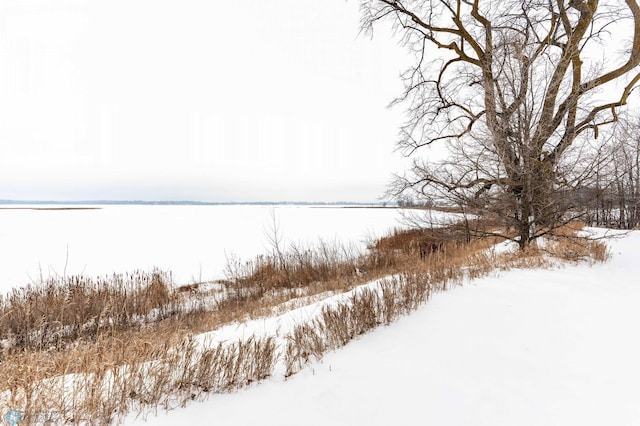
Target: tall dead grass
point(52, 314)
point(80, 353)
point(103, 391)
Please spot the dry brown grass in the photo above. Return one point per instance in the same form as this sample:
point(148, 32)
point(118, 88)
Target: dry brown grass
point(565, 244)
point(297, 268)
point(79, 352)
point(420, 241)
point(57, 312)
point(180, 372)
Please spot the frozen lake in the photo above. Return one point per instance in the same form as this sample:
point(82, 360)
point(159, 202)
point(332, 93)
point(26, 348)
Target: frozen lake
point(191, 241)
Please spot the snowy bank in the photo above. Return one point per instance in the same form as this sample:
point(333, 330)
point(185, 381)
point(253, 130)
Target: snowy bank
point(526, 347)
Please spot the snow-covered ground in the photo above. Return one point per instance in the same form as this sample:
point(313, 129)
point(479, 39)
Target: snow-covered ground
point(524, 347)
point(191, 241)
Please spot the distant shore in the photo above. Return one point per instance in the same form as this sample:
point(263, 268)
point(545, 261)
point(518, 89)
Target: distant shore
point(26, 203)
point(50, 208)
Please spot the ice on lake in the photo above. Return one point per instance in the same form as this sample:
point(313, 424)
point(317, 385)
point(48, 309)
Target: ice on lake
point(191, 241)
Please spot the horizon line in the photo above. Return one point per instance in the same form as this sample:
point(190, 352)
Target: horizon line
point(189, 202)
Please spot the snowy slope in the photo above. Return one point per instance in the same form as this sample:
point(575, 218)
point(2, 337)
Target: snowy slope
point(535, 347)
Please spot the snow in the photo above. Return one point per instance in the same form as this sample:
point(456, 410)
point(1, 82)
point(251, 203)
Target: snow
point(193, 242)
point(525, 347)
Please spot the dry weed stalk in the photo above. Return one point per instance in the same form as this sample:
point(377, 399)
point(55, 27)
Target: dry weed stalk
point(109, 371)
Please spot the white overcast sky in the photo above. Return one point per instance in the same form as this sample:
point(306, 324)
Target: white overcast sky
point(195, 99)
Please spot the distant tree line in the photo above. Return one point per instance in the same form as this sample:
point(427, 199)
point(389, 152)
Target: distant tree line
point(613, 197)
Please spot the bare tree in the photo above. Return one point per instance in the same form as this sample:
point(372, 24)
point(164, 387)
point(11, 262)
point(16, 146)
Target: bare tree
point(616, 189)
point(627, 162)
point(518, 91)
